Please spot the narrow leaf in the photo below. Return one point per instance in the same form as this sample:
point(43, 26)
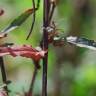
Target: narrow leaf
point(18, 21)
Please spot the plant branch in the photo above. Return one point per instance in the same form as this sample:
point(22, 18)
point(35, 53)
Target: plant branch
point(33, 21)
point(30, 92)
point(53, 5)
point(46, 6)
point(3, 72)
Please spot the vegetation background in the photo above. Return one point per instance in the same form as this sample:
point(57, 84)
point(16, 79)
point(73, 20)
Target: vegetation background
point(71, 70)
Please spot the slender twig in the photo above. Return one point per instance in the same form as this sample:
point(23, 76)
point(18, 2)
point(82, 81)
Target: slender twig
point(3, 72)
point(36, 68)
point(33, 21)
point(34, 15)
point(30, 92)
point(53, 5)
point(45, 45)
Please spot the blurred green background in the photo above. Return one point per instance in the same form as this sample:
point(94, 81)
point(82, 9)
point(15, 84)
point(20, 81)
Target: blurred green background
point(71, 70)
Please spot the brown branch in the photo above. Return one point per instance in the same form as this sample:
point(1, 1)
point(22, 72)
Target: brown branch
point(3, 72)
point(53, 5)
point(30, 92)
point(46, 9)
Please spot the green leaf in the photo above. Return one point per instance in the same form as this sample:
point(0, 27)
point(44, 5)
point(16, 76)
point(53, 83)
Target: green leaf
point(18, 21)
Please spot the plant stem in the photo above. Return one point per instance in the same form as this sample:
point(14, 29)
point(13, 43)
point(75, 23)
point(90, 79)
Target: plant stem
point(52, 10)
point(30, 92)
point(46, 8)
point(3, 72)
point(33, 21)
